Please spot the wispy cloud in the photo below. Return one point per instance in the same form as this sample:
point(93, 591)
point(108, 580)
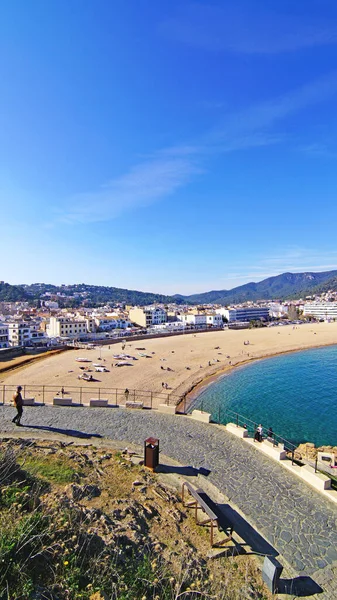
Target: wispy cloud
point(260, 117)
point(288, 260)
point(318, 150)
point(151, 180)
point(246, 28)
point(161, 175)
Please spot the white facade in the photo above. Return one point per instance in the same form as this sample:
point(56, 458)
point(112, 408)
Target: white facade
point(112, 323)
point(4, 335)
point(64, 327)
point(214, 320)
point(18, 334)
point(251, 313)
point(158, 315)
point(38, 338)
point(170, 326)
point(195, 319)
point(148, 316)
point(321, 310)
point(277, 311)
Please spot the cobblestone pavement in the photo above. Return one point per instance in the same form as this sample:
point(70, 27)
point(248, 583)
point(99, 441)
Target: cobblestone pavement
point(295, 519)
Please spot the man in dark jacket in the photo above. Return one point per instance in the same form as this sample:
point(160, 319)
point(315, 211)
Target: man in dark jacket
point(18, 402)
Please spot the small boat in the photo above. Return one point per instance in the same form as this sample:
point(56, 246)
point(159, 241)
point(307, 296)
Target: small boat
point(86, 377)
point(79, 359)
point(144, 355)
point(123, 363)
point(100, 369)
point(124, 357)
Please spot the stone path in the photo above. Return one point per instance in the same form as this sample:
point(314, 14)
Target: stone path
point(290, 515)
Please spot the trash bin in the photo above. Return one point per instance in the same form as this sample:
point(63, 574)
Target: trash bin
point(151, 453)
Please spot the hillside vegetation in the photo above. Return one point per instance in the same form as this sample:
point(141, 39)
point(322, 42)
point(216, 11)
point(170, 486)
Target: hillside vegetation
point(81, 522)
point(287, 285)
point(281, 287)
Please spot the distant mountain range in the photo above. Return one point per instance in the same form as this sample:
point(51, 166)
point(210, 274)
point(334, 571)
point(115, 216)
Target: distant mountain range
point(281, 287)
point(287, 285)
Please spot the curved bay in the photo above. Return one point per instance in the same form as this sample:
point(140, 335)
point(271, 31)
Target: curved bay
point(295, 393)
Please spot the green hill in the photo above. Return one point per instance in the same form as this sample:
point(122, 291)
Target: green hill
point(286, 285)
point(12, 293)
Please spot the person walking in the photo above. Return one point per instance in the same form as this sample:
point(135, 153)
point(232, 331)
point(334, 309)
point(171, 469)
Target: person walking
point(18, 403)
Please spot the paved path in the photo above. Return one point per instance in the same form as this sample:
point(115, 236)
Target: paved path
point(295, 519)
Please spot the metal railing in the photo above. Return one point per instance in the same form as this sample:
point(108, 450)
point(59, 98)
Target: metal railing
point(226, 415)
point(81, 395)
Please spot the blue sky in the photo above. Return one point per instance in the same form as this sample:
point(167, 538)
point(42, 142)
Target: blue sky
point(168, 146)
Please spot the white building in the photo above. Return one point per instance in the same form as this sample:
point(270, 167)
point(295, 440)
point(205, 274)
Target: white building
point(4, 335)
point(277, 311)
point(110, 323)
point(250, 313)
point(148, 316)
point(169, 326)
point(65, 327)
point(193, 319)
point(18, 334)
point(214, 320)
point(321, 310)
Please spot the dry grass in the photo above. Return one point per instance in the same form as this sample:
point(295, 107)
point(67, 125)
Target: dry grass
point(133, 541)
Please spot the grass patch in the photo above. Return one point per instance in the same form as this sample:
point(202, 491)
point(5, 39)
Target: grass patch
point(54, 470)
point(129, 543)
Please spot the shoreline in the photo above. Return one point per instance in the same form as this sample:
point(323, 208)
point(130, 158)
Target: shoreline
point(197, 388)
point(178, 366)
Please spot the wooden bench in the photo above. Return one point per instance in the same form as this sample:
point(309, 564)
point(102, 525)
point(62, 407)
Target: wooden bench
point(201, 501)
point(134, 404)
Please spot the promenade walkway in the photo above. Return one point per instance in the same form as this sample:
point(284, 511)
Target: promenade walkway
point(291, 517)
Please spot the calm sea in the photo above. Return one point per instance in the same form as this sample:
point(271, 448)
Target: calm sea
point(295, 394)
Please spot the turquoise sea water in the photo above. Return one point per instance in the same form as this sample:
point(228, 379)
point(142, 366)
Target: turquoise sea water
point(295, 394)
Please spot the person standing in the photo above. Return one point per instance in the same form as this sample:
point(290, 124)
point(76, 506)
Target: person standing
point(18, 403)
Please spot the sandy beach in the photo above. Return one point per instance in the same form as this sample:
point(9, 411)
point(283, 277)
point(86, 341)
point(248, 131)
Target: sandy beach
point(192, 359)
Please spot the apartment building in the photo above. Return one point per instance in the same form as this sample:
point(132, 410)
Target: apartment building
point(250, 313)
point(4, 335)
point(193, 318)
point(277, 310)
point(148, 316)
point(66, 327)
point(201, 319)
point(213, 319)
point(18, 334)
point(321, 310)
point(110, 323)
